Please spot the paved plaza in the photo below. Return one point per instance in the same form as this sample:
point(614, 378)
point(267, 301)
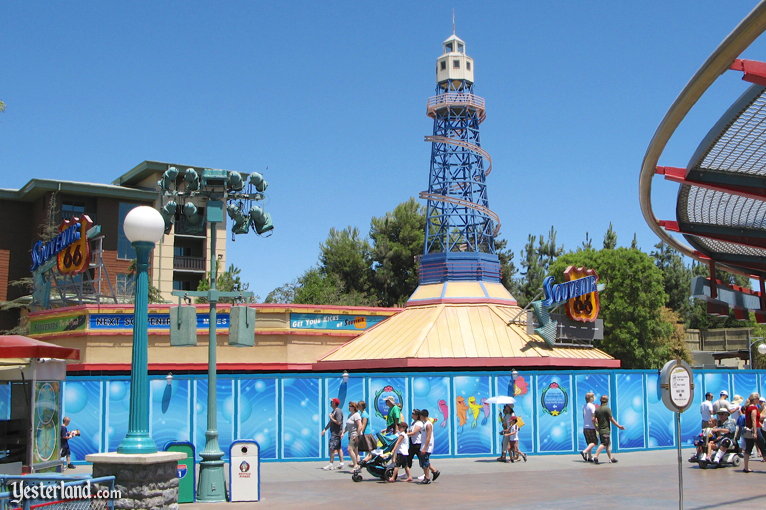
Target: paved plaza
point(640, 480)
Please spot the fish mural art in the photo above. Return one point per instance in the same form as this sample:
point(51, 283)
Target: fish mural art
point(444, 409)
point(475, 410)
point(461, 408)
point(486, 411)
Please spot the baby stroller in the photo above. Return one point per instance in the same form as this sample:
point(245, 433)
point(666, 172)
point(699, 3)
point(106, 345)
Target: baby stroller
point(380, 465)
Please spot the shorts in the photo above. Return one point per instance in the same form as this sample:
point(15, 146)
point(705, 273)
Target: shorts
point(590, 436)
point(353, 442)
point(402, 461)
point(334, 443)
point(424, 458)
point(414, 450)
point(65, 450)
point(604, 437)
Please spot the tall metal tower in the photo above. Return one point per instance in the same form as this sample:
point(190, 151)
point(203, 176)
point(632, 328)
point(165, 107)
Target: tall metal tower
point(460, 227)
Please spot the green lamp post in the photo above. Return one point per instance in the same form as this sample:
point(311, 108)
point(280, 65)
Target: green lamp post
point(144, 227)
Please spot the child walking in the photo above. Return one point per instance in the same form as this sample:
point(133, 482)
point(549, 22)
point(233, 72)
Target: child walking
point(513, 441)
point(401, 452)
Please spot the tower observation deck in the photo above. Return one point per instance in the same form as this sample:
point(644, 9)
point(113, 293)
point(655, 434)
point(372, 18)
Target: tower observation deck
point(460, 226)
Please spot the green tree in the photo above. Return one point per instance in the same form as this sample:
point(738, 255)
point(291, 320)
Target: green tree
point(634, 331)
point(227, 281)
point(397, 240)
point(676, 278)
point(537, 256)
point(508, 270)
point(347, 255)
point(315, 287)
point(588, 243)
point(610, 238)
point(284, 294)
point(634, 242)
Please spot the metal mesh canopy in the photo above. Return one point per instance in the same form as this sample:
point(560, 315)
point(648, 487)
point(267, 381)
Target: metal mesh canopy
point(732, 156)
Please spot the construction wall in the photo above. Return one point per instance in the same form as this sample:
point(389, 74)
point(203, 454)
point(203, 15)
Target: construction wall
point(285, 413)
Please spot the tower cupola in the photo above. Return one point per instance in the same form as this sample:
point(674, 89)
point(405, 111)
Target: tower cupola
point(453, 64)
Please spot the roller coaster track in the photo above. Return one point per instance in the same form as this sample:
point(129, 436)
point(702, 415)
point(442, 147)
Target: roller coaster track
point(465, 203)
point(468, 145)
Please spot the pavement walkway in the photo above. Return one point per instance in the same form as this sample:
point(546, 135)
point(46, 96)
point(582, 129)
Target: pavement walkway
point(640, 480)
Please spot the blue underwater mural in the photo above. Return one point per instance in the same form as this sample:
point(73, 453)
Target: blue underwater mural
point(429, 393)
point(660, 419)
point(117, 411)
point(630, 394)
point(555, 427)
point(224, 414)
point(598, 384)
point(257, 414)
point(473, 428)
point(170, 414)
point(82, 404)
point(285, 413)
point(302, 418)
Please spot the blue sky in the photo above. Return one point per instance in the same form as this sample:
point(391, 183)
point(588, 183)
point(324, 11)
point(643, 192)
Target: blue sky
point(328, 100)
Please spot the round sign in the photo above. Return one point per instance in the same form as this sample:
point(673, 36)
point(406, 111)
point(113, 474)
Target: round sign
point(676, 385)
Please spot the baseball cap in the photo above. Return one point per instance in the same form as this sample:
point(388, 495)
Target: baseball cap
point(335, 401)
point(724, 393)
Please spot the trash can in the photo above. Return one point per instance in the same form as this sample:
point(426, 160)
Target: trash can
point(245, 471)
point(185, 471)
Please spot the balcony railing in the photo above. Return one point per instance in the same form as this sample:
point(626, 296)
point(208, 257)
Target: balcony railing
point(189, 263)
point(724, 339)
point(456, 99)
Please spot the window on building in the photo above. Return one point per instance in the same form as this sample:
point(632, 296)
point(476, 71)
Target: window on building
point(124, 248)
point(126, 284)
point(456, 64)
point(185, 284)
point(72, 209)
point(468, 65)
point(443, 65)
point(460, 48)
point(182, 251)
point(448, 47)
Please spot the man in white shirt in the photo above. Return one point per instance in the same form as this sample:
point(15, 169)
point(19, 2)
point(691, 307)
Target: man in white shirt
point(706, 410)
point(721, 403)
point(588, 427)
point(427, 448)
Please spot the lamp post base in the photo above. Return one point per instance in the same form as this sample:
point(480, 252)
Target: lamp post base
point(137, 443)
point(212, 484)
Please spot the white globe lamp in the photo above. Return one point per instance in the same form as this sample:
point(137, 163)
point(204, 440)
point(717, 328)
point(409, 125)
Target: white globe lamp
point(762, 348)
point(144, 224)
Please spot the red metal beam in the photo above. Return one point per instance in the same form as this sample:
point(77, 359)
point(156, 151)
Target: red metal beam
point(755, 72)
point(752, 242)
point(678, 175)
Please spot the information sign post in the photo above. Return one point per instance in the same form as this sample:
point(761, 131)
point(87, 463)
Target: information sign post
point(677, 392)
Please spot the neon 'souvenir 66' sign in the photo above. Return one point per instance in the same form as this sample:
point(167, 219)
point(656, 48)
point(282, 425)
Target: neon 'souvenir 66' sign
point(580, 292)
point(70, 247)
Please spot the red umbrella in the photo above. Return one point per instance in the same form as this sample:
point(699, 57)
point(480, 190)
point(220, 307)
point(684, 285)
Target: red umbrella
point(17, 346)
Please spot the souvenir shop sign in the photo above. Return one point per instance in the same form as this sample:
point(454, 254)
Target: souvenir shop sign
point(102, 321)
point(70, 247)
point(333, 321)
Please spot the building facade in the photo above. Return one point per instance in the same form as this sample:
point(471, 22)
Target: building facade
point(37, 209)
